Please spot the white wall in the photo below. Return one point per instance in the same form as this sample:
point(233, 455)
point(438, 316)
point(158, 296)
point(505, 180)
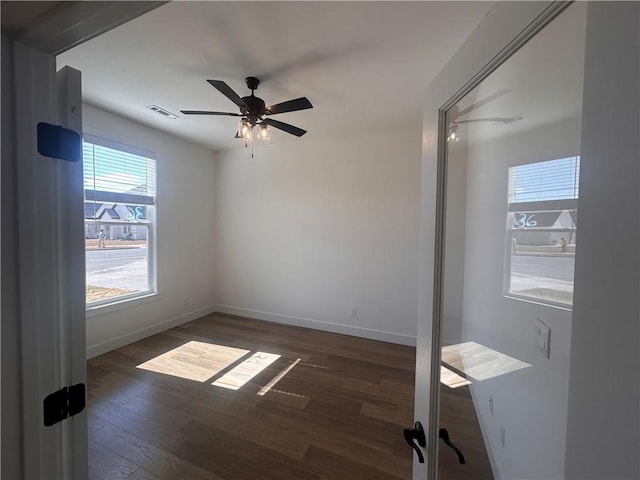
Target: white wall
point(310, 228)
point(603, 438)
point(185, 232)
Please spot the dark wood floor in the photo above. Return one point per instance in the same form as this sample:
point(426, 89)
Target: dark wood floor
point(337, 414)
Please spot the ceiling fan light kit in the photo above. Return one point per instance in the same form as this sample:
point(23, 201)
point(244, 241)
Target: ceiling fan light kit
point(254, 124)
point(455, 115)
point(453, 135)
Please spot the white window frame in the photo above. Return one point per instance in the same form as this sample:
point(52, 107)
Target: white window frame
point(568, 204)
point(143, 296)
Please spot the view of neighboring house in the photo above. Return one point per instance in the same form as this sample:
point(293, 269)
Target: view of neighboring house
point(110, 217)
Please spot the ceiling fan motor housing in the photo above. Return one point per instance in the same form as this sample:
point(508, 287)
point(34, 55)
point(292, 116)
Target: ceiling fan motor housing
point(255, 107)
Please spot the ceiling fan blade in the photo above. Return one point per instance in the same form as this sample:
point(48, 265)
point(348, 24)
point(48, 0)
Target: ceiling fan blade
point(228, 92)
point(294, 105)
point(504, 120)
point(206, 112)
point(285, 127)
point(479, 103)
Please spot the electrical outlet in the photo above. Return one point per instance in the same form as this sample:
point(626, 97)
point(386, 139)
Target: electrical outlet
point(503, 435)
point(354, 311)
point(186, 302)
point(543, 338)
point(491, 404)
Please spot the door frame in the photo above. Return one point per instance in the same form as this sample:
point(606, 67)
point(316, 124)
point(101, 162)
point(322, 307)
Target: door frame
point(50, 262)
point(506, 28)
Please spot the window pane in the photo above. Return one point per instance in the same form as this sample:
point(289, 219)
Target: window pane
point(542, 222)
point(119, 194)
point(116, 260)
point(542, 265)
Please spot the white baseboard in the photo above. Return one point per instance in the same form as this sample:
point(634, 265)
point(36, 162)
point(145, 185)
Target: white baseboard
point(488, 443)
point(121, 341)
point(321, 325)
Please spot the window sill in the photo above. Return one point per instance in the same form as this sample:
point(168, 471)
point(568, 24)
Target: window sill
point(122, 303)
point(538, 301)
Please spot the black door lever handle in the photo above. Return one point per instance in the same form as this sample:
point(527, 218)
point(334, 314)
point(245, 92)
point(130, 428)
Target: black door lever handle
point(416, 433)
point(444, 435)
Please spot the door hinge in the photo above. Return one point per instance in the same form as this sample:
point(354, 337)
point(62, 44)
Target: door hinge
point(58, 142)
point(64, 403)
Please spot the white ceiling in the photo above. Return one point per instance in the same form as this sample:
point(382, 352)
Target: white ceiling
point(16, 15)
point(363, 65)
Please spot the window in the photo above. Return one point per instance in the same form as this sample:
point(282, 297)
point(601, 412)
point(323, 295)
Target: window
point(119, 199)
point(541, 230)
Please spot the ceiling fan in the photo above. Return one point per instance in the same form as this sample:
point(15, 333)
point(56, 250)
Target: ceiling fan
point(455, 114)
point(253, 110)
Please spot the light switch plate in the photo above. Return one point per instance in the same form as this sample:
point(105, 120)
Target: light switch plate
point(543, 338)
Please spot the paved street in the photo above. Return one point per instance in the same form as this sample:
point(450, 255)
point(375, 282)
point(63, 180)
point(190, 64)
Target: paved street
point(124, 268)
point(542, 272)
point(100, 259)
point(555, 267)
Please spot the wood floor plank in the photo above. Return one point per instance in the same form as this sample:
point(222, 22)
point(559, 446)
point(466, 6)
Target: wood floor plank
point(388, 413)
point(159, 462)
point(144, 428)
point(244, 422)
point(94, 421)
point(323, 426)
point(399, 393)
point(147, 408)
point(142, 474)
point(290, 399)
point(108, 465)
point(331, 466)
point(232, 456)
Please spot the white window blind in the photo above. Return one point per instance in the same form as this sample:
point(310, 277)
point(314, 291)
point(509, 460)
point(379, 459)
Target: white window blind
point(117, 176)
point(544, 181)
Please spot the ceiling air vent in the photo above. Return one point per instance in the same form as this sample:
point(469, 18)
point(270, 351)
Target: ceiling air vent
point(162, 111)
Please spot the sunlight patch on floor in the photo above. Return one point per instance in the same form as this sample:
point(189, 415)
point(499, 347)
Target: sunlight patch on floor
point(478, 362)
point(252, 366)
point(264, 390)
point(197, 361)
point(452, 379)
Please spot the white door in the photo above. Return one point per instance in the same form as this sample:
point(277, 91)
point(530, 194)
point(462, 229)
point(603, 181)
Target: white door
point(602, 434)
point(43, 275)
point(49, 203)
